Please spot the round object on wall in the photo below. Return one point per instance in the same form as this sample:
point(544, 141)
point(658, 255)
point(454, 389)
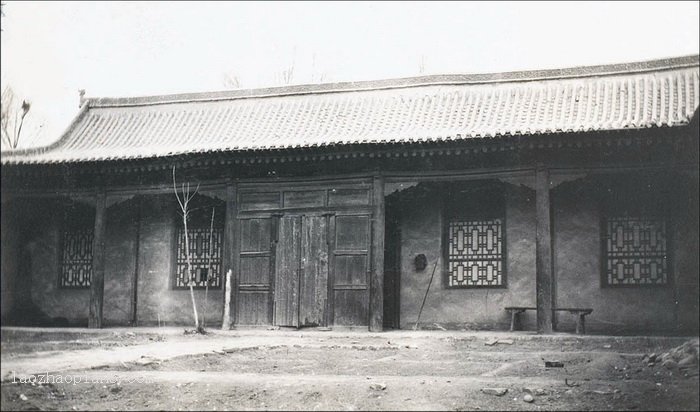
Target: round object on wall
point(420, 262)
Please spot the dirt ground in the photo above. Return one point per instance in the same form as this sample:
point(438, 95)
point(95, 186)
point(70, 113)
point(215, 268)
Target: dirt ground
point(315, 370)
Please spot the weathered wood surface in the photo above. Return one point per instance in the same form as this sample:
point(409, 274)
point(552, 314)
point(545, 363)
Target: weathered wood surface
point(254, 307)
point(543, 246)
point(288, 272)
point(317, 246)
point(350, 269)
point(98, 265)
point(274, 240)
point(376, 299)
point(137, 248)
point(392, 263)
point(314, 281)
point(255, 268)
point(330, 303)
point(229, 253)
point(301, 280)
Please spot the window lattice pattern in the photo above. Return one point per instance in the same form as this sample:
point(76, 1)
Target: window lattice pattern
point(635, 251)
point(76, 263)
point(476, 253)
point(199, 257)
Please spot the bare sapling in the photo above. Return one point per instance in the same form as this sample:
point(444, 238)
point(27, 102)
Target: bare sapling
point(184, 196)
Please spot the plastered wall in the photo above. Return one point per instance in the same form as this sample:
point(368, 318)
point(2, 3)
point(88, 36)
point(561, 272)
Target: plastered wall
point(157, 300)
point(421, 232)
point(576, 243)
point(577, 258)
point(148, 232)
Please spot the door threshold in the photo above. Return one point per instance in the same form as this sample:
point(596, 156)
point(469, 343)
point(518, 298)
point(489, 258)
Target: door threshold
point(303, 328)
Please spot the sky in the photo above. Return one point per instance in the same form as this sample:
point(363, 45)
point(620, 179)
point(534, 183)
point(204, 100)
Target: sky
point(50, 50)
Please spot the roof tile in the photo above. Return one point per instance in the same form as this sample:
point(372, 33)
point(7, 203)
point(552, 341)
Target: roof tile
point(112, 129)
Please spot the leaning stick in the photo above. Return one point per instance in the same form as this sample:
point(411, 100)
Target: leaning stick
point(415, 327)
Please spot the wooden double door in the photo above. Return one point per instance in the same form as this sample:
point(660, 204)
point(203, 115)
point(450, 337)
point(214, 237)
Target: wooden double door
point(303, 255)
point(309, 269)
point(301, 271)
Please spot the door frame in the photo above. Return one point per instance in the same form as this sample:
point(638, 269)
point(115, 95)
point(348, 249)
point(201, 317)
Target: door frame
point(268, 200)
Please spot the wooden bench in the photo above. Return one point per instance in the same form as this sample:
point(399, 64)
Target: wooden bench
point(580, 318)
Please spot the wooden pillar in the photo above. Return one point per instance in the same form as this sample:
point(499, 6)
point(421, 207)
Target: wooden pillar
point(97, 282)
point(137, 251)
point(376, 295)
point(544, 280)
point(229, 258)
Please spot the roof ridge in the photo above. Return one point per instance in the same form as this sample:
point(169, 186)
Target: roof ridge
point(405, 82)
point(58, 142)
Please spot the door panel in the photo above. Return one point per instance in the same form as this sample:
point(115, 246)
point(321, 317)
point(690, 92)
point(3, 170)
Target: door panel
point(350, 269)
point(254, 306)
point(314, 275)
point(352, 233)
point(255, 235)
point(351, 307)
point(288, 272)
point(254, 272)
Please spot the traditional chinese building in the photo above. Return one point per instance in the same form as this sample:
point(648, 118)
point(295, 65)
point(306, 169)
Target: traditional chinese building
point(339, 205)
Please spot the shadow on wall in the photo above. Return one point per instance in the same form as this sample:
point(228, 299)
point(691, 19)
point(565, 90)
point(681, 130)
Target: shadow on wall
point(32, 229)
point(29, 314)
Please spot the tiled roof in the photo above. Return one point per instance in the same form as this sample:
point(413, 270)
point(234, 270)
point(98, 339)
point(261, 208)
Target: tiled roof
point(423, 109)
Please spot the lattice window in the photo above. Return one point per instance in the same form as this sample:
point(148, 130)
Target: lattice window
point(475, 253)
point(635, 251)
point(199, 257)
point(76, 263)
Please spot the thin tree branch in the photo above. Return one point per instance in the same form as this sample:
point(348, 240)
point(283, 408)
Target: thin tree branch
point(183, 200)
point(175, 190)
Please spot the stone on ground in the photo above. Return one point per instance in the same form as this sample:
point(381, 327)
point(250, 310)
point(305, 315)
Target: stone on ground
point(681, 357)
point(377, 386)
point(494, 391)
